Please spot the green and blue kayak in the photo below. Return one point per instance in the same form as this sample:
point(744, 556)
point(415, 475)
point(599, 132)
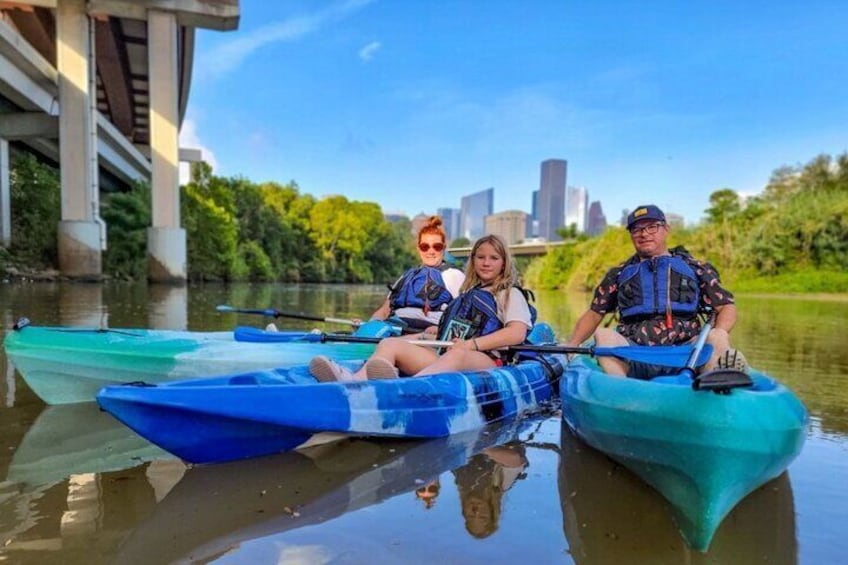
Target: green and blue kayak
point(64, 365)
point(704, 452)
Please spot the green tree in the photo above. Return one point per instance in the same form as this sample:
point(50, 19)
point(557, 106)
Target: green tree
point(724, 206)
point(35, 199)
point(208, 212)
point(127, 216)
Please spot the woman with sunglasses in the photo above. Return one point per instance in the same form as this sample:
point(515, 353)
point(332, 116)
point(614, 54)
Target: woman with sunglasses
point(491, 313)
point(420, 295)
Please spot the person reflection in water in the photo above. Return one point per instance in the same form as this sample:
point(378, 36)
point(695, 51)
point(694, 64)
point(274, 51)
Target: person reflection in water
point(428, 493)
point(482, 483)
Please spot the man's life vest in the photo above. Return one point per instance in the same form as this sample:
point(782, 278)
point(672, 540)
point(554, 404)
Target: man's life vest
point(474, 313)
point(657, 286)
point(421, 287)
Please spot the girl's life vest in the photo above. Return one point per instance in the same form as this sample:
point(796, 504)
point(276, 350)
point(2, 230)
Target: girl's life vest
point(474, 313)
point(421, 287)
point(665, 285)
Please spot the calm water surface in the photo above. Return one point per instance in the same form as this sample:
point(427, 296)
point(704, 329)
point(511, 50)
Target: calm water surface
point(80, 488)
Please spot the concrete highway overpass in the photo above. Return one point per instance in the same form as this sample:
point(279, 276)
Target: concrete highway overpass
point(517, 249)
point(100, 88)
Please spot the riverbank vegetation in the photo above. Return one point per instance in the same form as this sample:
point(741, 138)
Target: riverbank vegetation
point(236, 230)
point(793, 237)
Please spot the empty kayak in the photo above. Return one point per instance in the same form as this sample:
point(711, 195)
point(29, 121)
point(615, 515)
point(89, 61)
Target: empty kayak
point(702, 451)
point(64, 365)
point(259, 413)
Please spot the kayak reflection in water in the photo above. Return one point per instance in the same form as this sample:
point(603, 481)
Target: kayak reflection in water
point(482, 483)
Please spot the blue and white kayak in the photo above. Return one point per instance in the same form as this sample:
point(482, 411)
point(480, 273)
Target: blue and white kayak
point(253, 414)
point(702, 451)
point(63, 365)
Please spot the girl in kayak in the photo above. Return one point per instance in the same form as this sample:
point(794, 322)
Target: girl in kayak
point(490, 314)
point(421, 294)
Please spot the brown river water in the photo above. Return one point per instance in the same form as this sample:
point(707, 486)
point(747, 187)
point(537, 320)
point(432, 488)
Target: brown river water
point(78, 487)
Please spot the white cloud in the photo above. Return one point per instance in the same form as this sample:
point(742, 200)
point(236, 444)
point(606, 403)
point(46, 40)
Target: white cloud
point(367, 52)
point(231, 54)
point(189, 139)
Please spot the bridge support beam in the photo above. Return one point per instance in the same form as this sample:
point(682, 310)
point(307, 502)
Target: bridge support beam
point(81, 232)
point(5, 195)
point(166, 240)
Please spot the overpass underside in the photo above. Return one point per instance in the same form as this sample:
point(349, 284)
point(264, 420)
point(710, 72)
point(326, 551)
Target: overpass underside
point(100, 87)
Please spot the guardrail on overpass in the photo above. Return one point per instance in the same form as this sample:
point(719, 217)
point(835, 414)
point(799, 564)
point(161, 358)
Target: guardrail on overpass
point(517, 249)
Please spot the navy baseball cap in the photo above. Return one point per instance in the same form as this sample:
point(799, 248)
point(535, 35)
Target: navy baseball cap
point(645, 212)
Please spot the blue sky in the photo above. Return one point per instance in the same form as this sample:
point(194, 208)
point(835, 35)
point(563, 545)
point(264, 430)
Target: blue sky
point(414, 103)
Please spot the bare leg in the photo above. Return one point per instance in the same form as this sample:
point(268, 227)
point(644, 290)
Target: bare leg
point(407, 357)
point(606, 337)
point(458, 360)
point(720, 340)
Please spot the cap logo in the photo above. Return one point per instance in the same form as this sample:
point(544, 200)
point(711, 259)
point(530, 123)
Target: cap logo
point(640, 212)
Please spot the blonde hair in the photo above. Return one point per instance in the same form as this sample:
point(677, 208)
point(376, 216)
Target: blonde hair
point(432, 226)
point(505, 280)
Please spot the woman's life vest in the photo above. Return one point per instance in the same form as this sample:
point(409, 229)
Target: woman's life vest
point(657, 286)
point(421, 287)
point(474, 313)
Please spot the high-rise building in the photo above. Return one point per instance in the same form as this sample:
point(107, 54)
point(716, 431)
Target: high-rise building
point(395, 217)
point(533, 220)
point(419, 221)
point(597, 222)
point(474, 209)
point(551, 200)
point(510, 225)
point(576, 207)
point(674, 220)
point(450, 219)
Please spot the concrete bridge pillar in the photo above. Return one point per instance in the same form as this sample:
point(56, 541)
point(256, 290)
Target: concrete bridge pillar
point(166, 240)
point(5, 195)
point(81, 232)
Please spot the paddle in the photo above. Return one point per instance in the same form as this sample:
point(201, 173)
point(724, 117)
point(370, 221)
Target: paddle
point(720, 381)
point(664, 355)
point(274, 313)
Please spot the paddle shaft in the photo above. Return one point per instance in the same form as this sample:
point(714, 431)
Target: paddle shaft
point(666, 356)
point(442, 343)
point(696, 349)
point(271, 312)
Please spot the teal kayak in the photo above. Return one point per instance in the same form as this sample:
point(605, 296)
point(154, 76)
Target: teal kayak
point(64, 365)
point(704, 452)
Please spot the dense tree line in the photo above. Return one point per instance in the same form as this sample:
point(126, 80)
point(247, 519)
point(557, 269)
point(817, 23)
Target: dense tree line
point(235, 230)
point(793, 237)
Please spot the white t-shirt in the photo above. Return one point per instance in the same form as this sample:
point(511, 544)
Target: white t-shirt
point(453, 279)
point(517, 310)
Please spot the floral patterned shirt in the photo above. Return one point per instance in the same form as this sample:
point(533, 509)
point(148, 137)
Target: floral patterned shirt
point(653, 330)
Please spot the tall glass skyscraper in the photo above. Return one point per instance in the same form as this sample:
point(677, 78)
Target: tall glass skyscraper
point(474, 209)
point(577, 207)
point(551, 200)
point(450, 219)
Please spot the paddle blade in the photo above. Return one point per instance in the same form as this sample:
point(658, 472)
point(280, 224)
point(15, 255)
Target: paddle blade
point(662, 355)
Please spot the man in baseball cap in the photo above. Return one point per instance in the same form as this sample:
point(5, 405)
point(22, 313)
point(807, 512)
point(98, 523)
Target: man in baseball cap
point(658, 294)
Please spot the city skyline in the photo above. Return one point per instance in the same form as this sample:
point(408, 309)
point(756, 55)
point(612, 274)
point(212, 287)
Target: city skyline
point(410, 103)
point(566, 205)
